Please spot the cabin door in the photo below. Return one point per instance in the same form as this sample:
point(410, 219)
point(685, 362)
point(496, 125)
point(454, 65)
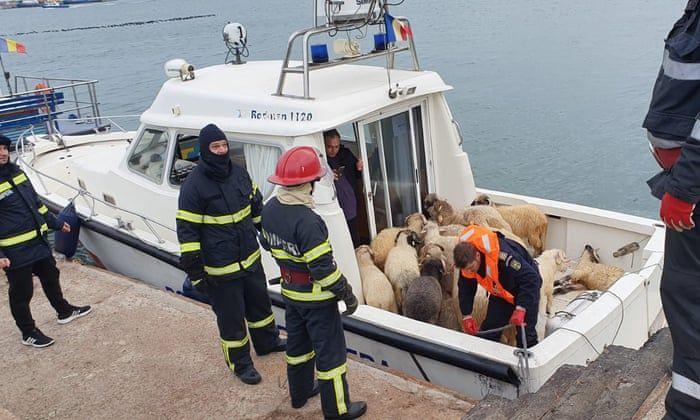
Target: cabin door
point(395, 175)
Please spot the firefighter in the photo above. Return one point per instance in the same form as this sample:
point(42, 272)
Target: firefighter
point(674, 134)
point(218, 214)
point(311, 285)
point(25, 251)
point(510, 276)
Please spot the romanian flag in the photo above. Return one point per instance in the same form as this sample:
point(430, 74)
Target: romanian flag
point(10, 46)
point(396, 30)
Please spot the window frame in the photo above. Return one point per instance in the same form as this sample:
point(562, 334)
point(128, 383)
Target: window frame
point(137, 141)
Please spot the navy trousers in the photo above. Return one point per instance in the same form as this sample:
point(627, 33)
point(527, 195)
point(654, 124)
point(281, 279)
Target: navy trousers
point(498, 314)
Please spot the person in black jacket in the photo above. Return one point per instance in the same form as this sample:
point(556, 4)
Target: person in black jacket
point(508, 273)
point(673, 131)
point(25, 251)
point(218, 214)
point(312, 284)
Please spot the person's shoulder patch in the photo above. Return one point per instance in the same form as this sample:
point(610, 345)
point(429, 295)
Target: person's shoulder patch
point(515, 265)
point(503, 256)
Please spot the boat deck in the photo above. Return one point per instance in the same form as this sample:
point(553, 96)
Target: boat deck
point(144, 353)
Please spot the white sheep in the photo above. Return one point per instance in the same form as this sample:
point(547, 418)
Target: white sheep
point(549, 264)
point(375, 286)
point(401, 267)
point(590, 274)
point(386, 239)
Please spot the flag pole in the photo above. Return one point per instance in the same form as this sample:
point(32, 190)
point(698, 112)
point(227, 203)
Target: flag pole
point(6, 75)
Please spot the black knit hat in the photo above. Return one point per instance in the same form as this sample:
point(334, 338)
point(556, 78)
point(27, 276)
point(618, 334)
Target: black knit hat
point(208, 135)
point(4, 141)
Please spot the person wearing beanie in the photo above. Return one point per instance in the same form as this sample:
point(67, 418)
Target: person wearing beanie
point(218, 213)
point(25, 250)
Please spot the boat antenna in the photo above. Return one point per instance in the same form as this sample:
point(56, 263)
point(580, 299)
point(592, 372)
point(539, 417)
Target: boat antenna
point(236, 40)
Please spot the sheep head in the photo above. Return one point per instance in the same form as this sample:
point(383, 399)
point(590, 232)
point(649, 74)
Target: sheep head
point(409, 237)
point(482, 200)
point(364, 252)
point(590, 254)
point(428, 203)
point(431, 250)
point(434, 267)
point(415, 221)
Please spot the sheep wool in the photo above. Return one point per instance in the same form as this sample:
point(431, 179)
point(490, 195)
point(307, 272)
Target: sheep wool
point(376, 288)
point(401, 266)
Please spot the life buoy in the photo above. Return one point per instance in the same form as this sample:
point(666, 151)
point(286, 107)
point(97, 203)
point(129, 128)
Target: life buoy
point(44, 90)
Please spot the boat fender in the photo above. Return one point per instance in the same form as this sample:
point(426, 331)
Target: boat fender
point(574, 308)
point(66, 243)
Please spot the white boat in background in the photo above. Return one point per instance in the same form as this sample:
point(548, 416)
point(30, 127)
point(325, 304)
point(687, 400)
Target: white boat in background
point(125, 186)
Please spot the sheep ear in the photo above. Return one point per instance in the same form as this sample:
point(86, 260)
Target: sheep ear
point(440, 219)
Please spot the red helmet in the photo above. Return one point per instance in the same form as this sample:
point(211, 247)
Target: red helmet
point(297, 166)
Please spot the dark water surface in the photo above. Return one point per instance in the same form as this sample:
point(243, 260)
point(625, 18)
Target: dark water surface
point(550, 93)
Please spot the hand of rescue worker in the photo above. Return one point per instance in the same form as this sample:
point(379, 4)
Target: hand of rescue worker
point(677, 214)
point(469, 325)
point(351, 304)
point(518, 317)
point(4, 262)
point(202, 285)
point(65, 228)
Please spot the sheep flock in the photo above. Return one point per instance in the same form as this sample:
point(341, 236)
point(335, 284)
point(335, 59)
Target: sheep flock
point(410, 270)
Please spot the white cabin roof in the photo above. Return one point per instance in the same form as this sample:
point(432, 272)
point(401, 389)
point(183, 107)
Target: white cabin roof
point(240, 98)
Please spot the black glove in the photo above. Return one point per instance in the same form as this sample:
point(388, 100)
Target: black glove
point(351, 302)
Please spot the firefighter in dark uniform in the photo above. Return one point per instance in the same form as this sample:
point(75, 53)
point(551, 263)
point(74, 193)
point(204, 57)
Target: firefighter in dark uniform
point(25, 250)
point(510, 276)
point(674, 134)
point(311, 285)
point(218, 214)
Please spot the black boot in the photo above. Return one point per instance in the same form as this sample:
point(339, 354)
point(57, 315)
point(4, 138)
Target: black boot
point(314, 391)
point(355, 409)
point(249, 376)
point(281, 346)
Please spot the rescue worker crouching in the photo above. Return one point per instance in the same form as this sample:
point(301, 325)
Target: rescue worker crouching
point(509, 275)
point(219, 212)
point(311, 286)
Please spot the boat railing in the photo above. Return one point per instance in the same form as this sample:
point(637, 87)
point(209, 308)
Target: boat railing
point(307, 66)
point(90, 199)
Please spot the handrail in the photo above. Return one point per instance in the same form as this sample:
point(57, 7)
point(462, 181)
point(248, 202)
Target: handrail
point(84, 193)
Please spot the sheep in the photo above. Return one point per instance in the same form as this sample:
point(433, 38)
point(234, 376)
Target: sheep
point(385, 240)
point(451, 230)
point(590, 274)
point(375, 286)
point(401, 266)
point(549, 264)
point(525, 220)
point(423, 298)
point(448, 317)
point(443, 213)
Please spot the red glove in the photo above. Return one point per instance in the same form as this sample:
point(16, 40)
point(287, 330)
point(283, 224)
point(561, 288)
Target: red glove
point(677, 214)
point(469, 325)
point(518, 317)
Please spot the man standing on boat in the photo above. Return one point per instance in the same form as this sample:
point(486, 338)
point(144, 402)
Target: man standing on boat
point(218, 214)
point(25, 250)
point(505, 269)
point(673, 131)
point(311, 286)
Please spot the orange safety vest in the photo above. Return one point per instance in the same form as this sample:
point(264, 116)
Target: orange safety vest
point(486, 242)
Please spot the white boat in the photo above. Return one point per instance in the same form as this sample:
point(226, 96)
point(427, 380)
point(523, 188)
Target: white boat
point(125, 186)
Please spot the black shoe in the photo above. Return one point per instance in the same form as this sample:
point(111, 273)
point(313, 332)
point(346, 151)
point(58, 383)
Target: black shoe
point(314, 391)
point(37, 339)
point(249, 376)
point(355, 410)
point(281, 346)
point(75, 313)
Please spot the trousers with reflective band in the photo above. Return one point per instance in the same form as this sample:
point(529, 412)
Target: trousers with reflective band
point(240, 304)
point(486, 242)
point(315, 337)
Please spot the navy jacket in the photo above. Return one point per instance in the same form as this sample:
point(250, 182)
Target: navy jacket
point(298, 240)
point(216, 225)
point(517, 272)
point(675, 104)
point(24, 220)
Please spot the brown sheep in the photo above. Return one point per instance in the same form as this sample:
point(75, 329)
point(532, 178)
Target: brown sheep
point(590, 274)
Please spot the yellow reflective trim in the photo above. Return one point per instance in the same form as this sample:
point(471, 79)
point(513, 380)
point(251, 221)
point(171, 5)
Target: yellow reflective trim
point(336, 375)
point(316, 294)
point(189, 216)
point(4, 187)
point(43, 209)
point(24, 237)
point(281, 254)
point(318, 251)
point(262, 323)
point(190, 247)
point(297, 360)
point(19, 179)
point(196, 282)
point(331, 278)
point(234, 344)
point(257, 219)
point(228, 218)
point(234, 267)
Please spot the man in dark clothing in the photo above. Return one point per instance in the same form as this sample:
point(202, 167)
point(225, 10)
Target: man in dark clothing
point(311, 286)
point(673, 131)
point(25, 251)
point(508, 273)
point(218, 214)
point(347, 172)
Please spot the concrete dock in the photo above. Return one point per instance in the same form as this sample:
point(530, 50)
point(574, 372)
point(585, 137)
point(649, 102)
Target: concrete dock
point(144, 353)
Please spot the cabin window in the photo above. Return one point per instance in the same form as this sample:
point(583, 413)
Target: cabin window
point(148, 156)
point(258, 159)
